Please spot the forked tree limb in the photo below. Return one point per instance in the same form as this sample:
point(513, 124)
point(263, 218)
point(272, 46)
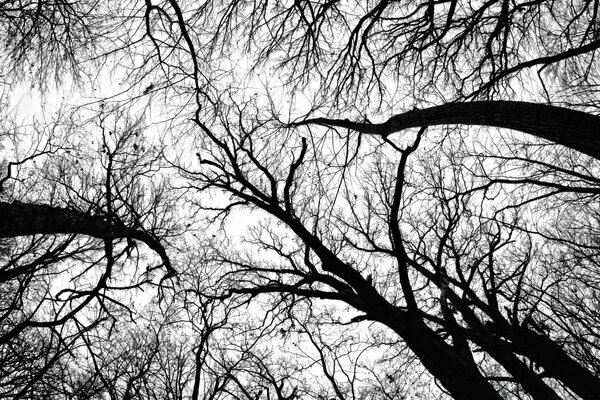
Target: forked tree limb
point(22, 219)
point(575, 129)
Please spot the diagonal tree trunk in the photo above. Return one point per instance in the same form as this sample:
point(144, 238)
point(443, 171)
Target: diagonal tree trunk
point(462, 380)
point(575, 129)
point(456, 373)
point(557, 363)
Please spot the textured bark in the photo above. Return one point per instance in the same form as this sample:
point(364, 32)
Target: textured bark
point(575, 129)
point(22, 219)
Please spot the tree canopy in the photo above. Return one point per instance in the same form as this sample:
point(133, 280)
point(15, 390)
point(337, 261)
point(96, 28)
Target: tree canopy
point(300, 200)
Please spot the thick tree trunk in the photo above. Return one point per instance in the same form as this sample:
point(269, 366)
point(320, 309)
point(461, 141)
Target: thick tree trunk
point(528, 379)
point(505, 355)
point(557, 363)
point(575, 129)
point(453, 371)
point(22, 219)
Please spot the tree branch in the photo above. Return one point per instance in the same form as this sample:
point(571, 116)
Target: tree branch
point(22, 219)
point(574, 129)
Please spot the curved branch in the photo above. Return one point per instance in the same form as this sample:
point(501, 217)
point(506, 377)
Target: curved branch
point(575, 129)
point(544, 61)
point(22, 219)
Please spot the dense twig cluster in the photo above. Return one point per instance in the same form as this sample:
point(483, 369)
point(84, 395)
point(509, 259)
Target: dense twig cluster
point(224, 220)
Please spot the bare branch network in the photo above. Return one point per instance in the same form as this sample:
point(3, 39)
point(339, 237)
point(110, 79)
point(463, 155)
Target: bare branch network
point(197, 200)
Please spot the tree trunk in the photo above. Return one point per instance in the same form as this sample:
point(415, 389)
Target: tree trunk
point(456, 374)
point(528, 379)
point(557, 363)
point(575, 129)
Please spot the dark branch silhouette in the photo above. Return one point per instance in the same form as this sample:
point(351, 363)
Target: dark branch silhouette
point(23, 219)
point(571, 128)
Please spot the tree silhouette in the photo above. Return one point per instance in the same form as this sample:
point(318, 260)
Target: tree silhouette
point(310, 251)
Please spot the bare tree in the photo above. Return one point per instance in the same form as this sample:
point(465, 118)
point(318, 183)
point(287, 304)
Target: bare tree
point(374, 255)
point(72, 220)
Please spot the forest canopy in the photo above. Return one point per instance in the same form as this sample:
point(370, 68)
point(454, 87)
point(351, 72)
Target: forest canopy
point(300, 199)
